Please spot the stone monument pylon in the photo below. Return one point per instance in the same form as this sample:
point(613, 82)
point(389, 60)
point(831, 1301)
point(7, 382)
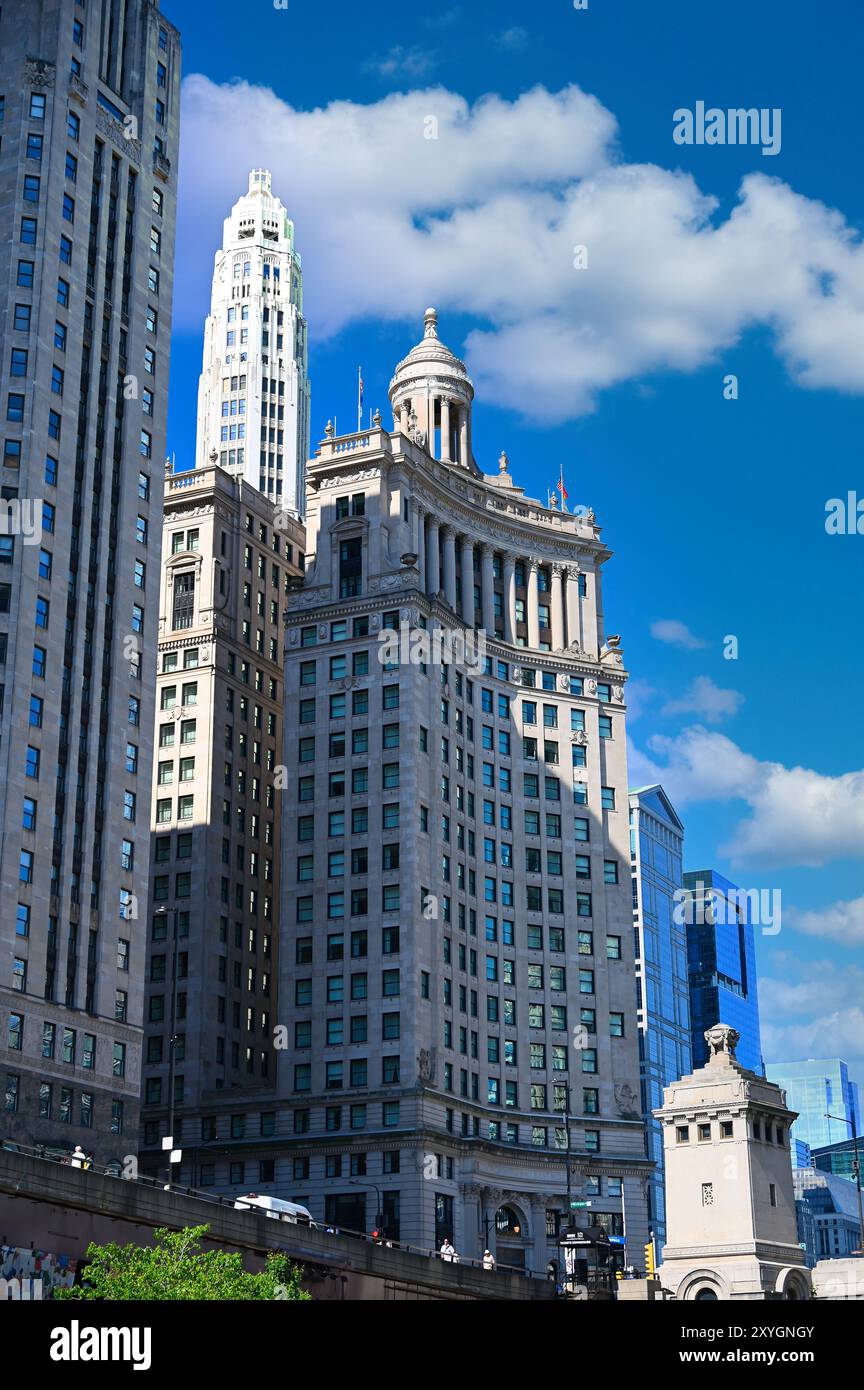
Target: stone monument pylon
point(730, 1208)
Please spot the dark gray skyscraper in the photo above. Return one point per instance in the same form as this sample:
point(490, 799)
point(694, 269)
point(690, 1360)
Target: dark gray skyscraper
point(89, 105)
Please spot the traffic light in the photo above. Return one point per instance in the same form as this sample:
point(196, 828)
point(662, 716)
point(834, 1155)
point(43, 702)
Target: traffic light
point(649, 1259)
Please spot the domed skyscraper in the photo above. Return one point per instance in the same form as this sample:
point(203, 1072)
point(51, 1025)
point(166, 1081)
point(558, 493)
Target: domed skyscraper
point(456, 861)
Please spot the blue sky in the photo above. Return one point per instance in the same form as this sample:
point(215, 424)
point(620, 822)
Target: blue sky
point(714, 508)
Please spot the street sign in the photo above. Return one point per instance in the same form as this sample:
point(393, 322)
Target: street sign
point(576, 1206)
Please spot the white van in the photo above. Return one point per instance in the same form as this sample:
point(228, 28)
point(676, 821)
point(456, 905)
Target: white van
point(276, 1208)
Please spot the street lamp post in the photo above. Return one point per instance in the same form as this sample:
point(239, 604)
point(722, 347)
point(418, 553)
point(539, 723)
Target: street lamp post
point(379, 1219)
point(172, 1040)
point(571, 1221)
point(856, 1168)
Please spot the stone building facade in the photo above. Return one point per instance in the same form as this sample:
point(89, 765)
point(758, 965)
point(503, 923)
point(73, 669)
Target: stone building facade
point(89, 112)
point(456, 946)
point(215, 850)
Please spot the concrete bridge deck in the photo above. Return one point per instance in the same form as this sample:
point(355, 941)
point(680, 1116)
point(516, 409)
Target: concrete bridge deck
point(47, 1205)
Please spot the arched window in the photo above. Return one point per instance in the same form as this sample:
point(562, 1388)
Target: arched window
point(508, 1222)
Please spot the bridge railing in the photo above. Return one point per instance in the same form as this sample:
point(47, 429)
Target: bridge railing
point(67, 1158)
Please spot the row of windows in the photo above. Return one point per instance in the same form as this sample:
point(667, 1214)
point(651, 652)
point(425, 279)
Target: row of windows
point(763, 1129)
point(58, 1103)
point(65, 1044)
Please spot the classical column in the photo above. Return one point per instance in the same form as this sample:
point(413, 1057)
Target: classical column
point(420, 544)
point(404, 418)
point(574, 626)
point(468, 580)
point(445, 429)
point(450, 566)
point(463, 435)
point(533, 606)
point(557, 608)
point(488, 590)
point(538, 1235)
point(433, 559)
point(510, 599)
point(472, 1235)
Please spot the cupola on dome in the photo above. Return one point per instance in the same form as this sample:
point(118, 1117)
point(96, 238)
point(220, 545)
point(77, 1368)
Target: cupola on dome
point(431, 395)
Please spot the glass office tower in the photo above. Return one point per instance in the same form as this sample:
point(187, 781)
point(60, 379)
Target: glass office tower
point(721, 962)
point(818, 1088)
point(662, 988)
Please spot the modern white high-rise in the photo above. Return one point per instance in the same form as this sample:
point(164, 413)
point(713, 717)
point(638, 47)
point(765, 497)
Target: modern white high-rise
point(253, 394)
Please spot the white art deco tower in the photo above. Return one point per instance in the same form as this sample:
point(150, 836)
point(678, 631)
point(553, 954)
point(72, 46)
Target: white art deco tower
point(253, 395)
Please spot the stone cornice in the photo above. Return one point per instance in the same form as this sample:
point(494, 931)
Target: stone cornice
point(484, 510)
point(758, 1249)
point(312, 606)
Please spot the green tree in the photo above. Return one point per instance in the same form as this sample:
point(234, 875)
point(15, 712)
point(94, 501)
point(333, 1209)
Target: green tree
point(175, 1268)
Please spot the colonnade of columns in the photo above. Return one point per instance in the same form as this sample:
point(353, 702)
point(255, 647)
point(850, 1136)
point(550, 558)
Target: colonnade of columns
point(454, 423)
point(436, 545)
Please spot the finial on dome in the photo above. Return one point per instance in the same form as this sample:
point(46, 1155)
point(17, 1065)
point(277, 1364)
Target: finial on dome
point(430, 320)
point(503, 463)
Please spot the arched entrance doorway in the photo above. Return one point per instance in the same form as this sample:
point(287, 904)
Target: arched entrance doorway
point(511, 1236)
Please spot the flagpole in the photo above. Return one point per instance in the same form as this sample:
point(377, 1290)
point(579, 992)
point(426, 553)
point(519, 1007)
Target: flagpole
point(359, 399)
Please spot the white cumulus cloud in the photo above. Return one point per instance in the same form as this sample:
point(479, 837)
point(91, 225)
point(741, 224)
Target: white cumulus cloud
point(841, 921)
point(813, 1010)
point(706, 700)
point(796, 815)
point(676, 634)
point(484, 220)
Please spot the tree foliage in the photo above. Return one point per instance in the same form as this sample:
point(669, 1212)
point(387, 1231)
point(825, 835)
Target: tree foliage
point(176, 1268)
